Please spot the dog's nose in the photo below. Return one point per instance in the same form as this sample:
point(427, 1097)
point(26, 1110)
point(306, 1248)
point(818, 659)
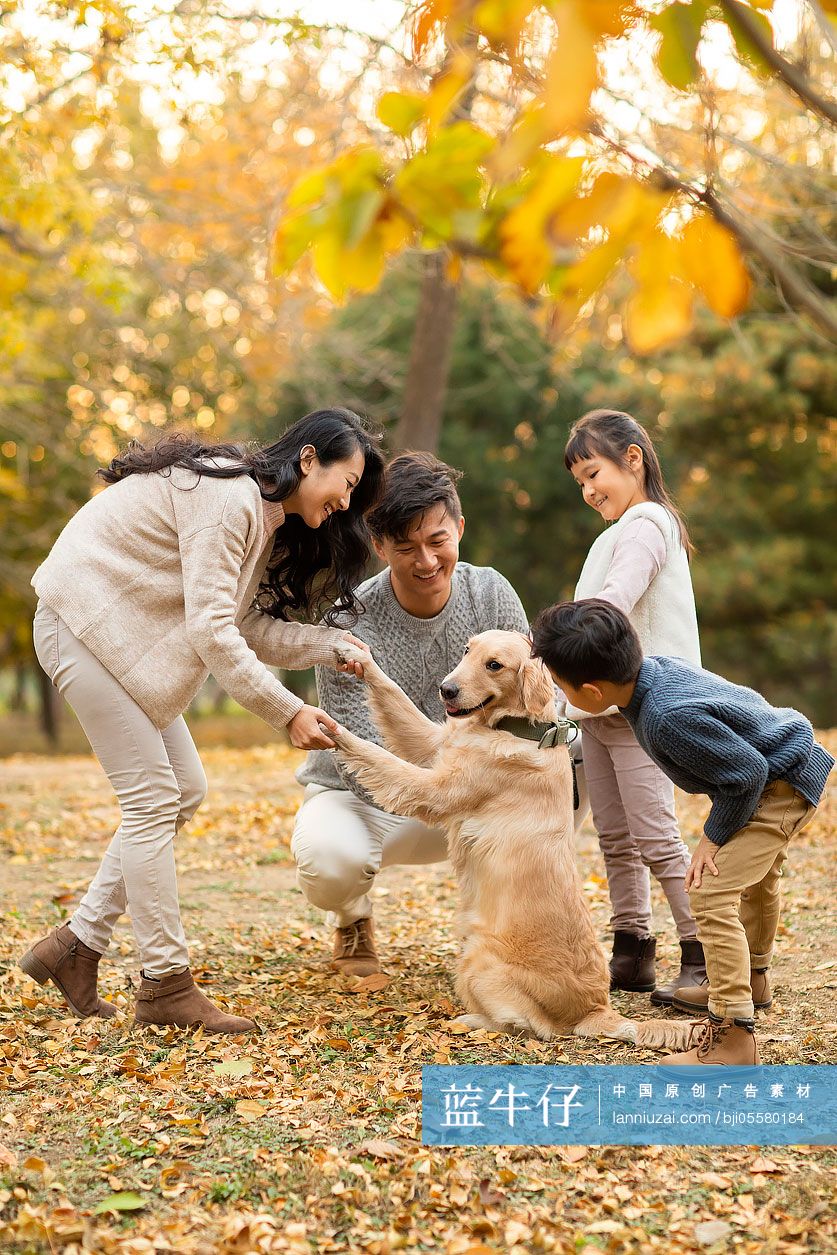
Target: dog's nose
point(449, 691)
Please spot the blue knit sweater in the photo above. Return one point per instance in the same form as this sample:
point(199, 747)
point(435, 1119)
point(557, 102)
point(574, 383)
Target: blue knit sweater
point(710, 736)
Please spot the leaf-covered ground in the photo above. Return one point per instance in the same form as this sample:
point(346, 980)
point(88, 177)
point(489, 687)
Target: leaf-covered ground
point(307, 1138)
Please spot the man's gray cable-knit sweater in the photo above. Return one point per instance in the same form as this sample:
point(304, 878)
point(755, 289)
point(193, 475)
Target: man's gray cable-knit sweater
point(416, 653)
point(711, 736)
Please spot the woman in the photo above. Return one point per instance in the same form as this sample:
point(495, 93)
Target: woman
point(190, 563)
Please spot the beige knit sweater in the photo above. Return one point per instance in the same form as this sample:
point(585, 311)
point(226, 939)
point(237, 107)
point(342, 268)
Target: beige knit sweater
point(157, 575)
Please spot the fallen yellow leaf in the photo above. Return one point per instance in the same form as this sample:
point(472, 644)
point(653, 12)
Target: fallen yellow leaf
point(248, 1110)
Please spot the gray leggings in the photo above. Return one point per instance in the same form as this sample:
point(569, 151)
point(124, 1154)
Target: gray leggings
point(159, 782)
point(633, 810)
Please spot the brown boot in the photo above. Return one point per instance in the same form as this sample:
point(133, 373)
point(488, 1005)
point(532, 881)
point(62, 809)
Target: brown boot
point(632, 962)
point(692, 974)
point(697, 998)
point(72, 967)
point(354, 949)
point(723, 1042)
point(177, 1000)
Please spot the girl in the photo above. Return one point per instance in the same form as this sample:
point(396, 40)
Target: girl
point(641, 565)
point(190, 563)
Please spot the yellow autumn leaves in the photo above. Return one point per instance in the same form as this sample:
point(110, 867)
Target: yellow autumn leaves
point(356, 212)
point(347, 219)
point(554, 224)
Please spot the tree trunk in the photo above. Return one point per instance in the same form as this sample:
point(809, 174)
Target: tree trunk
point(50, 708)
point(17, 697)
point(425, 388)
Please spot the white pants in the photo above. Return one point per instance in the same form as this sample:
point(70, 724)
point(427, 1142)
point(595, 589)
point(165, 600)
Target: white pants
point(159, 782)
point(340, 843)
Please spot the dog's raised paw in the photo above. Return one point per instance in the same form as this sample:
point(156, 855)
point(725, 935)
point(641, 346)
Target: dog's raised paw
point(348, 652)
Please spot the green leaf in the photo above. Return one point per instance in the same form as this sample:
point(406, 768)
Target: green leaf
point(128, 1200)
point(358, 212)
point(680, 26)
point(401, 112)
point(744, 46)
point(233, 1067)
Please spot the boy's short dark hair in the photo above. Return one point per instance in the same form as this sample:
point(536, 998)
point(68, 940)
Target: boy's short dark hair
point(585, 641)
point(413, 483)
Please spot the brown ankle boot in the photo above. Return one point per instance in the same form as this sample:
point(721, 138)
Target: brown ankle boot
point(72, 967)
point(723, 1042)
point(632, 962)
point(177, 1000)
point(692, 974)
point(696, 999)
point(354, 949)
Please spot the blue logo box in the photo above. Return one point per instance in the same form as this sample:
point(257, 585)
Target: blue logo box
point(540, 1105)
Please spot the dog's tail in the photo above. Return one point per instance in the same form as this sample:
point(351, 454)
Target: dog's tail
point(652, 1034)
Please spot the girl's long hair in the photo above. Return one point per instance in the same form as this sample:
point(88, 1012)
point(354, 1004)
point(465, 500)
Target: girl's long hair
point(313, 571)
point(608, 434)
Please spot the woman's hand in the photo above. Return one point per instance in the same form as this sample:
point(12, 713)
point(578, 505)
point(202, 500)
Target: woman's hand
point(355, 668)
point(305, 732)
point(702, 861)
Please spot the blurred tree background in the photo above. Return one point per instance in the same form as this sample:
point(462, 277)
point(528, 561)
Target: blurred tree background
point(744, 422)
point(145, 162)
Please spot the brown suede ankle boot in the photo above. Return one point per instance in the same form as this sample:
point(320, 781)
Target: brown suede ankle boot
point(177, 1000)
point(72, 967)
point(722, 1042)
point(696, 998)
point(632, 962)
point(354, 949)
point(692, 974)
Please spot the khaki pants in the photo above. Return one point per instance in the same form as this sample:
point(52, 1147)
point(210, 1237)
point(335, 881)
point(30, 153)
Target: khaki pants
point(159, 781)
point(737, 911)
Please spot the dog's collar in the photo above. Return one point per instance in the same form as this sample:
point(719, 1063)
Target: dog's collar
point(547, 735)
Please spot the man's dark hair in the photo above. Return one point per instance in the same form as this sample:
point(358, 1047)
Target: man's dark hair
point(585, 641)
point(413, 484)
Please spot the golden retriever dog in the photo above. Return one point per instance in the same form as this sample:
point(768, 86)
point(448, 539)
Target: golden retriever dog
point(530, 961)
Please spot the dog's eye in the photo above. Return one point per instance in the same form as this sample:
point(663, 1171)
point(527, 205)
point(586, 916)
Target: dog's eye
point(494, 665)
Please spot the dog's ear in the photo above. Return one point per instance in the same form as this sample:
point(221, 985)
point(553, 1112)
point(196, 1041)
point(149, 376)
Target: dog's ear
point(538, 691)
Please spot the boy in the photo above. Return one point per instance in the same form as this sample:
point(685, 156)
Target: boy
point(761, 767)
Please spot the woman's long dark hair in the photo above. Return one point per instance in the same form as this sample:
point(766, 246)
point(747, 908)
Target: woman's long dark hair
point(609, 433)
point(312, 570)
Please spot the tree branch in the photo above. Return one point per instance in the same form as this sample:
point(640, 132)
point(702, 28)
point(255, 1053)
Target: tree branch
point(791, 283)
point(308, 28)
point(791, 75)
point(825, 26)
point(27, 246)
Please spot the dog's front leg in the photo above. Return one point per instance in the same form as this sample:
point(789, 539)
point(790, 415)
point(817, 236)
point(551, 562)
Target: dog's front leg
point(395, 785)
point(405, 730)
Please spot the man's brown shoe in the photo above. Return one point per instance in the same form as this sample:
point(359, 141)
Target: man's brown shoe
point(72, 967)
point(696, 998)
point(354, 949)
point(724, 1043)
point(177, 1000)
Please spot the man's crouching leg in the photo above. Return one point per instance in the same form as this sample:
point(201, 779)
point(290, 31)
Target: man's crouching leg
point(337, 857)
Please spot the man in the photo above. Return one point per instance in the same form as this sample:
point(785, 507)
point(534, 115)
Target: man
point(419, 614)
